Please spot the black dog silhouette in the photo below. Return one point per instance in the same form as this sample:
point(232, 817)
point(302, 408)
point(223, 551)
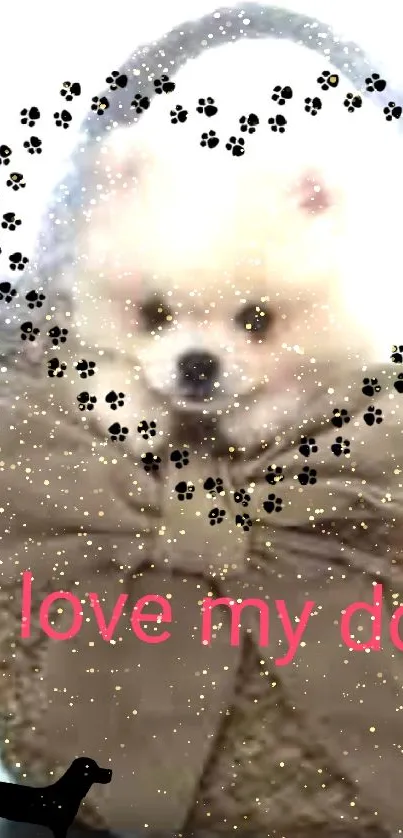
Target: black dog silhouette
point(53, 806)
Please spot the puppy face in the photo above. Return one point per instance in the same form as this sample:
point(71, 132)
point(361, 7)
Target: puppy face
point(222, 279)
point(218, 287)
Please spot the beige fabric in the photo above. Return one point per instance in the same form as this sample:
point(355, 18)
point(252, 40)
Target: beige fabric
point(209, 735)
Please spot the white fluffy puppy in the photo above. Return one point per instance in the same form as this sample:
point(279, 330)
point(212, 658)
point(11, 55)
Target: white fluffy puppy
point(217, 283)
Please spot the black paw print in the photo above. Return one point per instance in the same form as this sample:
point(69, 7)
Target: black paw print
point(207, 107)
point(85, 368)
point(30, 116)
point(117, 432)
point(164, 85)
point(15, 181)
point(7, 292)
point(307, 446)
point(313, 106)
point(214, 486)
point(147, 429)
point(274, 475)
point(10, 222)
point(58, 335)
point(340, 418)
point(340, 446)
point(375, 82)
point(70, 89)
point(216, 516)
point(33, 145)
point(236, 146)
point(370, 386)
point(328, 80)
point(249, 123)
point(28, 332)
point(209, 139)
point(85, 401)
point(179, 114)
point(17, 261)
point(243, 521)
point(35, 299)
point(5, 154)
point(99, 104)
point(397, 354)
point(140, 103)
point(185, 491)
point(117, 80)
point(151, 462)
point(277, 123)
point(352, 102)
point(56, 368)
point(242, 497)
point(307, 475)
point(180, 458)
point(398, 384)
point(392, 111)
point(114, 399)
point(273, 504)
point(62, 118)
point(282, 94)
point(373, 416)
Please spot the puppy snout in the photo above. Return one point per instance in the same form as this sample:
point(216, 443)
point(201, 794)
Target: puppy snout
point(105, 775)
point(198, 371)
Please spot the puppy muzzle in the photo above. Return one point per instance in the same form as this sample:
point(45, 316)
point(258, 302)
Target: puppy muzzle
point(104, 775)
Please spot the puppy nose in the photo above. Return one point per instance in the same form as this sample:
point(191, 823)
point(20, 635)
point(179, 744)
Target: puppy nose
point(198, 369)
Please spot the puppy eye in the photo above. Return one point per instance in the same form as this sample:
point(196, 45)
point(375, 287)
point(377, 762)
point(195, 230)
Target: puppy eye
point(254, 318)
point(155, 314)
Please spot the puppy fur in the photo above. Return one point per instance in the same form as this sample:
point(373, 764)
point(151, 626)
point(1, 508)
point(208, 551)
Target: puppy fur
point(185, 248)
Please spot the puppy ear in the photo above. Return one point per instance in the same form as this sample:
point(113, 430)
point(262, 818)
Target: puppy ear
point(313, 194)
point(125, 152)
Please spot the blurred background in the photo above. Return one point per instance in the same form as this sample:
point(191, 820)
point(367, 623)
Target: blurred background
point(43, 44)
